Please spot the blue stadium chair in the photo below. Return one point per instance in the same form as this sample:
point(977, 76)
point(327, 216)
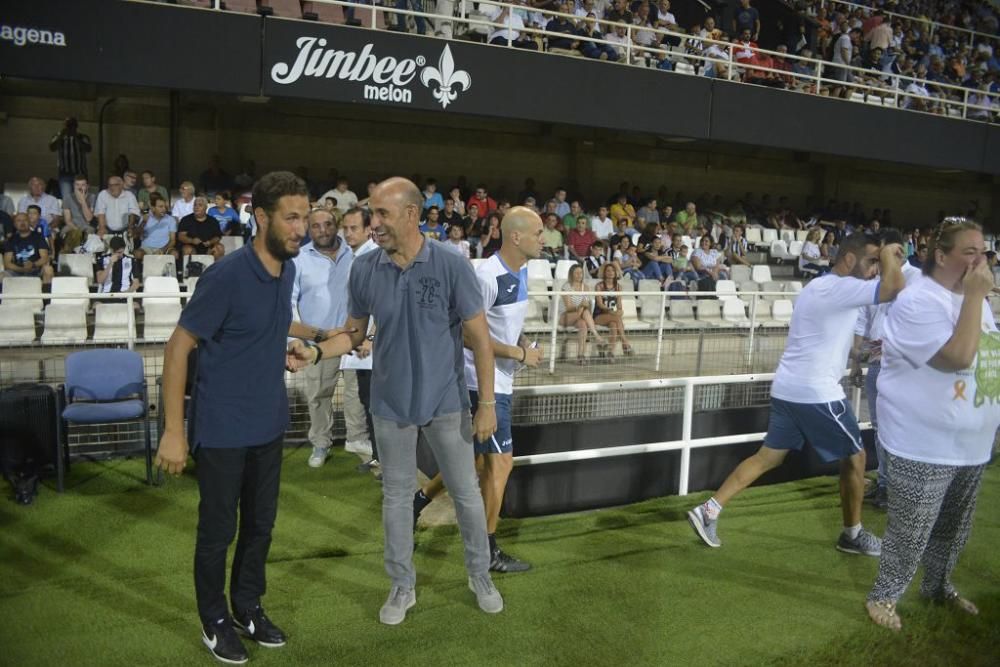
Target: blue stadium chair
point(107, 387)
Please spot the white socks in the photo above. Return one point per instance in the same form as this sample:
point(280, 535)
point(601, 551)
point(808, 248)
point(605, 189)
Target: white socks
point(852, 532)
point(712, 509)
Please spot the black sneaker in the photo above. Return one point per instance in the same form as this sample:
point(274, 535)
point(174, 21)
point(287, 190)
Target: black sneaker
point(502, 562)
point(257, 626)
point(222, 640)
point(420, 501)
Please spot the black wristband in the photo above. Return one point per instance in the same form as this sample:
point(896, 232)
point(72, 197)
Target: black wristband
point(319, 336)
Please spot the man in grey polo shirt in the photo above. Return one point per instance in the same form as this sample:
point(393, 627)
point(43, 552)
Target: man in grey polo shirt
point(423, 297)
point(319, 296)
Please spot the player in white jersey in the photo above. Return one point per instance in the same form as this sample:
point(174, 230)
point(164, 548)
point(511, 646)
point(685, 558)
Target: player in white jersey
point(807, 400)
point(503, 281)
point(868, 345)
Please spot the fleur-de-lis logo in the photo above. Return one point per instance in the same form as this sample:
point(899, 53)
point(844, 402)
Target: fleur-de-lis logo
point(447, 77)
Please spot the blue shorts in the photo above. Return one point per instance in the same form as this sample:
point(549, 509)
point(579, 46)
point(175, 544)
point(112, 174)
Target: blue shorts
point(500, 442)
point(830, 428)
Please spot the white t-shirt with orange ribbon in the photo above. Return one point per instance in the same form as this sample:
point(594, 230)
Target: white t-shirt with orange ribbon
point(927, 415)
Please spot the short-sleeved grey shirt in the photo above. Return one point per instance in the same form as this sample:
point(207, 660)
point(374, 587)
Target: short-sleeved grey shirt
point(417, 367)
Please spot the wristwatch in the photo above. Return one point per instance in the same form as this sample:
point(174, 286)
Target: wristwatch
point(370, 338)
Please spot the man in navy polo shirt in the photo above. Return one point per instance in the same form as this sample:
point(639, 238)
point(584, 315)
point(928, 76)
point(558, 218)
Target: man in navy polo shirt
point(424, 297)
point(239, 318)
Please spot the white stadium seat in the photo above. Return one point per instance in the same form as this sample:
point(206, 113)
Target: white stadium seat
point(562, 270)
point(65, 323)
point(630, 315)
point(734, 313)
point(739, 273)
point(72, 264)
point(781, 313)
point(771, 286)
point(27, 286)
point(158, 265)
point(161, 313)
point(17, 323)
point(111, 322)
point(682, 314)
point(710, 313)
point(761, 273)
point(71, 285)
point(540, 269)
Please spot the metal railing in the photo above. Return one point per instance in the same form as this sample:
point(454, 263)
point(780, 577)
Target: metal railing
point(727, 61)
point(687, 441)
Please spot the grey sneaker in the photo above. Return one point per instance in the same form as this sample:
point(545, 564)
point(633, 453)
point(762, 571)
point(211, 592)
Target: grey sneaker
point(865, 544)
point(504, 562)
point(394, 610)
point(318, 457)
point(704, 527)
point(487, 594)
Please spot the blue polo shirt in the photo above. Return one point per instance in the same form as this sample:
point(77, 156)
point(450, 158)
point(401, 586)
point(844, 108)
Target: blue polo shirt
point(240, 314)
point(417, 366)
point(320, 287)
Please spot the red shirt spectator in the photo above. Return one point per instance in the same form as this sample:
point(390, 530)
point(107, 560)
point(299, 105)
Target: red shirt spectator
point(482, 199)
point(744, 49)
point(579, 241)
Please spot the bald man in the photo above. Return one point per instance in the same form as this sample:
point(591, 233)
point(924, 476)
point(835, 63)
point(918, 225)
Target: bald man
point(423, 296)
point(503, 282)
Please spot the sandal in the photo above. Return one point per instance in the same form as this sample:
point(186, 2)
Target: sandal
point(955, 600)
point(883, 613)
point(627, 350)
point(581, 360)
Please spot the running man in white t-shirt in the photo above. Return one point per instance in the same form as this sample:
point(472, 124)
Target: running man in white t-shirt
point(939, 409)
point(503, 281)
point(807, 400)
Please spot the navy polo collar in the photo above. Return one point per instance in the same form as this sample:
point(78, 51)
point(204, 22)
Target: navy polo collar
point(258, 268)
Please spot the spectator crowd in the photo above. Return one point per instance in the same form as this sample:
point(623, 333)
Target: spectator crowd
point(682, 241)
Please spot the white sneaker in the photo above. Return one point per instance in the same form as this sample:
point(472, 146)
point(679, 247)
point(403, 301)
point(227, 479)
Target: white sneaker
point(362, 448)
point(487, 595)
point(318, 457)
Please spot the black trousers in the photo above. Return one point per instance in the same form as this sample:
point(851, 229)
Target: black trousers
point(365, 391)
point(244, 479)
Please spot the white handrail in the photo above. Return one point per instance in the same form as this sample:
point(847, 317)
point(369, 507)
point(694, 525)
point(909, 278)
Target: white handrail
point(685, 444)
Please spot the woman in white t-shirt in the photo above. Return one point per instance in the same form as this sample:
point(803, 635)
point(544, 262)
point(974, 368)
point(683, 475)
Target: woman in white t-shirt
point(811, 258)
point(938, 412)
point(577, 311)
point(708, 261)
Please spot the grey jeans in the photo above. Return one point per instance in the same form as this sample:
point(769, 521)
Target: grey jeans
point(450, 438)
